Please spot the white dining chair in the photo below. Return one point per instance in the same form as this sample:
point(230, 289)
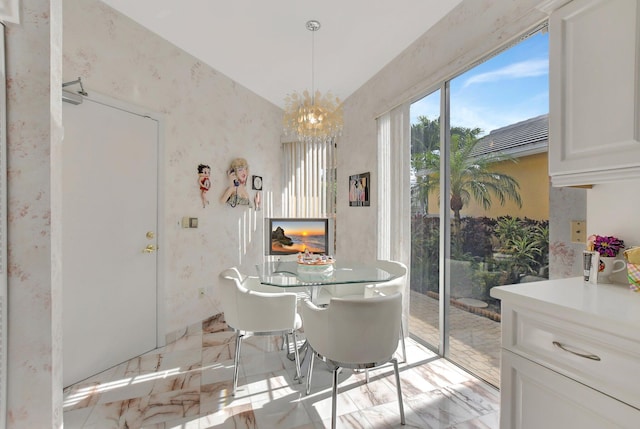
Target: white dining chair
point(397, 285)
point(362, 290)
point(249, 312)
point(354, 333)
point(253, 282)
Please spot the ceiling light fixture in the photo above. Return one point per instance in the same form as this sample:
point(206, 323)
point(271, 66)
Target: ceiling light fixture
point(313, 117)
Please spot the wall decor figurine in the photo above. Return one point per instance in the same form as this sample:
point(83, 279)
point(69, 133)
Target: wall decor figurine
point(359, 190)
point(236, 193)
point(204, 182)
point(257, 200)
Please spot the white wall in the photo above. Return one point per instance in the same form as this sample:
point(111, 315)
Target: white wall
point(614, 209)
point(34, 396)
point(208, 119)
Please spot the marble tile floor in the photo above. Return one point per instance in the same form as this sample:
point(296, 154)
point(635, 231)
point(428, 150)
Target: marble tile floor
point(187, 384)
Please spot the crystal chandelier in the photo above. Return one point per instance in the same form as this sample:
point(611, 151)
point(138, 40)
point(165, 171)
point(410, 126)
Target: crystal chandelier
point(311, 116)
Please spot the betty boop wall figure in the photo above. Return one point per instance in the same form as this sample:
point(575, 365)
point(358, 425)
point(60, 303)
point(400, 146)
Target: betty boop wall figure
point(204, 182)
point(236, 193)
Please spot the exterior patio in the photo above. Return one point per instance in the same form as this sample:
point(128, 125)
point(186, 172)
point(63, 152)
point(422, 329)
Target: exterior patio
point(475, 339)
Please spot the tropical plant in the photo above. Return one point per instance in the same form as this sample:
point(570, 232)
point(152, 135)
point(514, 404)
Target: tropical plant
point(525, 243)
point(476, 236)
point(425, 147)
point(524, 251)
point(424, 254)
point(507, 228)
point(425, 135)
point(472, 174)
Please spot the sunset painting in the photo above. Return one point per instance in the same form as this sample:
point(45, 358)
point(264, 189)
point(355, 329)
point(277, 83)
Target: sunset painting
point(298, 235)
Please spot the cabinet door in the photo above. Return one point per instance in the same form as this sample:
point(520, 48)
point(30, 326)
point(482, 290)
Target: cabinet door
point(534, 397)
point(594, 63)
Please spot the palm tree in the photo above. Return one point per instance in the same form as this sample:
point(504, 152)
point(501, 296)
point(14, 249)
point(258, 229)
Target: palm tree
point(425, 183)
point(472, 175)
point(425, 145)
point(425, 135)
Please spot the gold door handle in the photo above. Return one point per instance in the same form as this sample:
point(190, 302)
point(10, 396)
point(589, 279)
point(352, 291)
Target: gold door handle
point(150, 249)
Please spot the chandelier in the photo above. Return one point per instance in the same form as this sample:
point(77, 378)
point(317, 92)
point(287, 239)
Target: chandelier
point(311, 116)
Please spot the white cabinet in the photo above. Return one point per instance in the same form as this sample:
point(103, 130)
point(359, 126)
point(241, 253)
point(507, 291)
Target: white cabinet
point(594, 90)
point(545, 399)
point(570, 355)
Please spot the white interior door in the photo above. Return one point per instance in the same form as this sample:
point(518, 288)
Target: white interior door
point(110, 206)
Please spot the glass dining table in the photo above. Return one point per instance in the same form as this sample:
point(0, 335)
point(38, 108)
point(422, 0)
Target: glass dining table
point(285, 274)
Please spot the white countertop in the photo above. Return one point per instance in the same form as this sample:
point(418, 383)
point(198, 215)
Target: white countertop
point(611, 304)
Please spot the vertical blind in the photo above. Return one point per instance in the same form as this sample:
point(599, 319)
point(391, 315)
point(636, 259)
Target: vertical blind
point(3, 234)
point(394, 200)
point(309, 179)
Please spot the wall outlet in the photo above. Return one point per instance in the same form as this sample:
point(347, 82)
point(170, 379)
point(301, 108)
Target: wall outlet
point(578, 231)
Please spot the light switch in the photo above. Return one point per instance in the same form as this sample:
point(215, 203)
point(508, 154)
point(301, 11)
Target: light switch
point(189, 222)
point(578, 231)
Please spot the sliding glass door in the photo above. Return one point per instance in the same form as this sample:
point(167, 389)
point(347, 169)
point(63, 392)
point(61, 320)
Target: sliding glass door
point(425, 218)
point(480, 199)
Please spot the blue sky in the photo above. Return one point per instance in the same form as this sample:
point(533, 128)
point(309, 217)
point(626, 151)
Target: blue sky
point(508, 88)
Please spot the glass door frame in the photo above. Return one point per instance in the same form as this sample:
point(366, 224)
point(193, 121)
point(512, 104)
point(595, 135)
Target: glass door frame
point(444, 290)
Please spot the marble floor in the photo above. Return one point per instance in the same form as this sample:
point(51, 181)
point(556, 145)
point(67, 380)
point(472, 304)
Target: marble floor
point(187, 384)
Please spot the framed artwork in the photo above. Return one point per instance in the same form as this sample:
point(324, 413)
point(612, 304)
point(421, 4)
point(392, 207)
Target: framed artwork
point(359, 189)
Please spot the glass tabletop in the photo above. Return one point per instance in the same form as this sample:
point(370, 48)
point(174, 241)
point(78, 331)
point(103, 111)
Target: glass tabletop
point(285, 274)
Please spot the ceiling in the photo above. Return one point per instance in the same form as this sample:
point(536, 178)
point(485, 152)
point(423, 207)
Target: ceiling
point(264, 44)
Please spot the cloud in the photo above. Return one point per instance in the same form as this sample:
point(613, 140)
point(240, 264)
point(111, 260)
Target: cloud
point(530, 68)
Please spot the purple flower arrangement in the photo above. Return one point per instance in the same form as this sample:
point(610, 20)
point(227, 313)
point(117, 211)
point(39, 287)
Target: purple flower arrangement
point(605, 245)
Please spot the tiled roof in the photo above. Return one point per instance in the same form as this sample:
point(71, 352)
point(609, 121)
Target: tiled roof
point(531, 135)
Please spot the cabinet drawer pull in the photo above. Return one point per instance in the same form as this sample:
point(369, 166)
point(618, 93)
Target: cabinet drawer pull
point(568, 349)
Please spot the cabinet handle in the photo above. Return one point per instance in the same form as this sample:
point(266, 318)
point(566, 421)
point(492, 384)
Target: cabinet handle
point(568, 349)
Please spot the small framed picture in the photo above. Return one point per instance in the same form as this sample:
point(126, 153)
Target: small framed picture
point(359, 190)
point(256, 183)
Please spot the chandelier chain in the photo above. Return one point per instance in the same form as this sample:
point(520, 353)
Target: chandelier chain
point(313, 63)
point(313, 26)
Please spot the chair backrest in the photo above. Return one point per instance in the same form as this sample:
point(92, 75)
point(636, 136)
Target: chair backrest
point(255, 311)
point(397, 284)
point(228, 296)
point(363, 331)
point(394, 267)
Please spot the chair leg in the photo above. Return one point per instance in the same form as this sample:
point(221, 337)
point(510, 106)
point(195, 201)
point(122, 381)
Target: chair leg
point(404, 349)
point(334, 398)
point(399, 389)
point(236, 362)
point(296, 354)
point(310, 369)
